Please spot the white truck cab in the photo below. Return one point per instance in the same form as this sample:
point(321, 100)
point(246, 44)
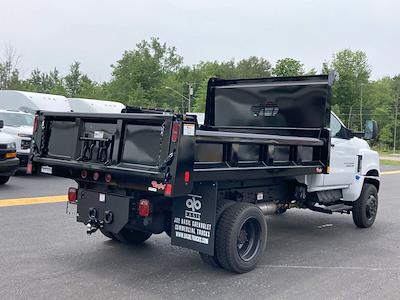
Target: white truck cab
point(19, 125)
point(353, 171)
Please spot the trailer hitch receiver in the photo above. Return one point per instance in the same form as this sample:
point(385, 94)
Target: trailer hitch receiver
point(93, 224)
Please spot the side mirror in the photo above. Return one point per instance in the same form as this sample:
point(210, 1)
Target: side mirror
point(1, 124)
point(371, 130)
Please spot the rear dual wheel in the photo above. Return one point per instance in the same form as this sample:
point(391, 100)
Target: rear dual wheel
point(240, 238)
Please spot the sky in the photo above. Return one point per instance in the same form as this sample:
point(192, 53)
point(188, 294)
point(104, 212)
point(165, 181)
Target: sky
point(51, 33)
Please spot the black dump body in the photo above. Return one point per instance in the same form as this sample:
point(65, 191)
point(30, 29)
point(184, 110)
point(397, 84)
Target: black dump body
point(254, 129)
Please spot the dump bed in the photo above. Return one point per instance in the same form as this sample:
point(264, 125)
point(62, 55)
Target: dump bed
point(254, 129)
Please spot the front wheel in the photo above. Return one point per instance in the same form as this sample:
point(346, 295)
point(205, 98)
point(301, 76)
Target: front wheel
point(241, 236)
point(4, 179)
point(366, 207)
point(132, 236)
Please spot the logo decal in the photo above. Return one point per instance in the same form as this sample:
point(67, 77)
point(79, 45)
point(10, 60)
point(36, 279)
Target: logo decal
point(193, 204)
point(267, 109)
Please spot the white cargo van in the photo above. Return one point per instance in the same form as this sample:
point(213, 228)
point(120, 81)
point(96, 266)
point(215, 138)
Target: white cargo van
point(19, 125)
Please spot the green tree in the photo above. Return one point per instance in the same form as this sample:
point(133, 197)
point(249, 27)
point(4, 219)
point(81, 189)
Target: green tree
point(142, 71)
point(73, 81)
point(51, 83)
point(9, 73)
point(354, 73)
point(288, 67)
point(253, 67)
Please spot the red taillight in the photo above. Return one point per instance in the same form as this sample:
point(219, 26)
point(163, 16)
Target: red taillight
point(187, 177)
point(72, 195)
point(96, 176)
point(144, 208)
point(168, 190)
point(29, 168)
point(108, 178)
point(175, 131)
point(84, 174)
point(35, 123)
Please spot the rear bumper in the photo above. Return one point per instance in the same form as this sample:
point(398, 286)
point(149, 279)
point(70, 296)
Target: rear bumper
point(108, 209)
point(8, 166)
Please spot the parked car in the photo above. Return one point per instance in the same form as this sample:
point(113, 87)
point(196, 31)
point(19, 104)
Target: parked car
point(20, 126)
point(8, 156)
point(267, 145)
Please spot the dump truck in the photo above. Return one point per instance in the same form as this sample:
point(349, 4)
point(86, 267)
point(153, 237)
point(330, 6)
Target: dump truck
point(267, 145)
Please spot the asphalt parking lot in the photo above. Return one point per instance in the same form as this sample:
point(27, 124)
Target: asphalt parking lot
point(45, 254)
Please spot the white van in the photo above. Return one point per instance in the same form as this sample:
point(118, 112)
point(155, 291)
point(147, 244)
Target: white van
point(19, 126)
point(8, 156)
point(31, 102)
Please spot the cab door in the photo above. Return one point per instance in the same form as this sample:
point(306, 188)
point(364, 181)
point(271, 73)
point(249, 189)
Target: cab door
point(343, 158)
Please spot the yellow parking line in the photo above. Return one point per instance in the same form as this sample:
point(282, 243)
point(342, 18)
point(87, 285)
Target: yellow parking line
point(390, 172)
point(35, 200)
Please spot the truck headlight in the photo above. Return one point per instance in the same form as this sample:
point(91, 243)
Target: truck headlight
point(11, 145)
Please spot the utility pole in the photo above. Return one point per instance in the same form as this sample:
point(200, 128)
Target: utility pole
point(190, 96)
point(396, 109)
point(361, 105)
point(349, 121)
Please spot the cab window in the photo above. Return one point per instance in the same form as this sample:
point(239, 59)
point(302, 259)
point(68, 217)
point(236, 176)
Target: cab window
point(335, 127)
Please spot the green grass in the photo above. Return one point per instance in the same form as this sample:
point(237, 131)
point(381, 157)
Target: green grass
point(390, 162)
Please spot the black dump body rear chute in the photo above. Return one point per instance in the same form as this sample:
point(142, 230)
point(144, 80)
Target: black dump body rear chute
point(254, 129)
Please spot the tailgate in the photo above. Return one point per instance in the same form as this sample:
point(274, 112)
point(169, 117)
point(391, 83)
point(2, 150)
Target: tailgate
point(133, 148)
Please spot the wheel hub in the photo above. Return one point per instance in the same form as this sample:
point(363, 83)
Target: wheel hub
point(248, 240)
point(371, 207)
point(242, 238)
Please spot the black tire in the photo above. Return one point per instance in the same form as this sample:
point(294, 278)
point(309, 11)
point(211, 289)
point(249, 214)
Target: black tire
point(241, 236)
point(132, 236)
point(210, 260)
point(366, 207)
point(4, 179)
point(108, 234)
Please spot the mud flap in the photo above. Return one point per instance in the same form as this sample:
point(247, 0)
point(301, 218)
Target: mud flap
point(194, 218)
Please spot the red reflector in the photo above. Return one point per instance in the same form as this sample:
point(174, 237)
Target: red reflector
point(29, 168)
point(187, 177)
point(84, 174)
point(35, 123)
point(144, 208)
point(72, 195)
point(175, 131)
point(168, 190)
point(96, 176)
point(108, 178)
